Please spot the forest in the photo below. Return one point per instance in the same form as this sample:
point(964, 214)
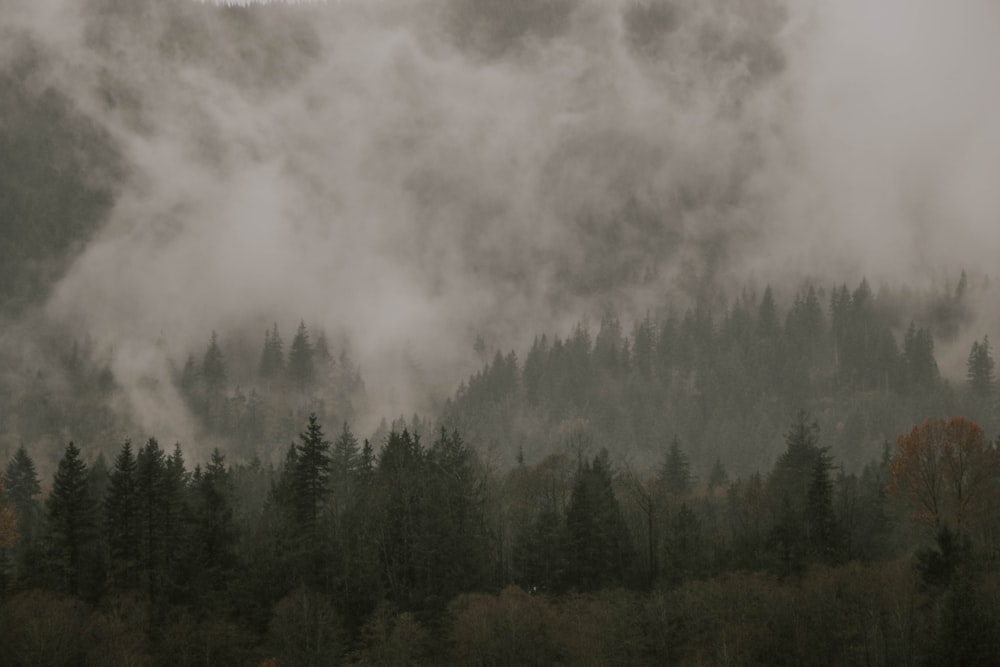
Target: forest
point(584, 507)
point(499, 333)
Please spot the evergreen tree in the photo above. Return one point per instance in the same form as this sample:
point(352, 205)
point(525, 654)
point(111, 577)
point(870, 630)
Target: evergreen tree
point(23, 487)
point(272, 357)
point(122, 519)
point(918, 359)
point(213, 367)
point(300, 358)
point(71, 521)
point(980, 368)
point(767, 316)
point(675, 474)
point(344, 467)
point(150, 506)
point(820, 519)
point(601, 548)
point(312, 473)
point(215, 530)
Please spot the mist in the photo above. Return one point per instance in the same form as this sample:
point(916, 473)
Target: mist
point(408, 176)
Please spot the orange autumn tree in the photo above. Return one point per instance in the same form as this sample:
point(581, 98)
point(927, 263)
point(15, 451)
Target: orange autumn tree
point(947, 470)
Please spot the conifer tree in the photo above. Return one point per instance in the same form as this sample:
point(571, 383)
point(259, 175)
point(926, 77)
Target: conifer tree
point(675, 474)
point(121, 516)
point(215, 528)
point(820, 519)
point(980, 368)
point(601, 548)
point(300, 358)
point(344, 464)
point(22, 485)
point(213, 366)
point(150, 503)
point(71, 522)
point(272, 357)
point(312, 473)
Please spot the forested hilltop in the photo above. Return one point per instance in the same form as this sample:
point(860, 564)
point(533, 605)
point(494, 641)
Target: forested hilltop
point(743, 483)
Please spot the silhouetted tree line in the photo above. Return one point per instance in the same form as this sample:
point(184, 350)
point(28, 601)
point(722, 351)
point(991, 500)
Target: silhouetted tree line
point(413, 553)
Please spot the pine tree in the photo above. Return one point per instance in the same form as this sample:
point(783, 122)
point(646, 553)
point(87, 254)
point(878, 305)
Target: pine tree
point(300, 358)
point(150, 501)
point(820, 519)
point(71, 523)
point(121, 516)
point(272, 357)
point(215, 530)
point(980, 368)
point(767, 316)
point(312, 473)
point(23, 487)
point(213, 366)
point(601, 548)
point(344, 464)
point(675, 474)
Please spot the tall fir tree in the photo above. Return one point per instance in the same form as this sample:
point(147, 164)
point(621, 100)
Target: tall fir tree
point(980, 368)
point(312, 473)
point(675, 474)
point(272, 357)
point(301, 369)
point(71, 519)
point(23, 488)
point(122, 519)
point(213, 366)
point(601, 547)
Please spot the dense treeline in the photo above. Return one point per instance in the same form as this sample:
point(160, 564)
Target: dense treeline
point(726, 378)
point(411, 553)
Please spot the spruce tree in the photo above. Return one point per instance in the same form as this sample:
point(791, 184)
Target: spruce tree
point(312, 473)
point(675, 474)
point(150, 501)
point(22, 483)
point(272, 357)
point(601, 547)
point(300, 358)
point(215, 532)
point(122, 519)
point(22, 488)
point(980, 368)
point(71, 522)
point(213, 366)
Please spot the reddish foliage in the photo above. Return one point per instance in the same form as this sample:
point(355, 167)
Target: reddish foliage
point(946, 469)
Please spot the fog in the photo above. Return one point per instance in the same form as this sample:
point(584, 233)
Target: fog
point(409, 175)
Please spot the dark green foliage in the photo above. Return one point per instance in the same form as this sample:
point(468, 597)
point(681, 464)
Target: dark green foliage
point(272, 357)
point(980, 373)
point(918, 356)
point(71, 519)
point(122, 518)
point(311, 474)
point(601, 551)
point(213, 367)
point(301, 368)
point(214, 527)
point(21, 483)
point(820, 520)
point(22, 487)
point(675, 474)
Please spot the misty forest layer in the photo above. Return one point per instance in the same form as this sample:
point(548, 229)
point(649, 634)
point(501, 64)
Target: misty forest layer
point(666, 327)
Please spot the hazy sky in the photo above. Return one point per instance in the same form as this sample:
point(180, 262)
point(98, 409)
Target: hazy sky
point(410, 174)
